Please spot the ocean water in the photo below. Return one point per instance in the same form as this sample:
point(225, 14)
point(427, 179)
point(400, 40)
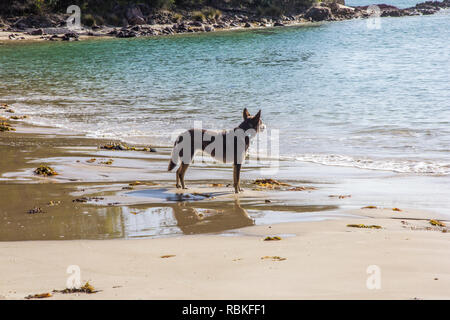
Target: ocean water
point(340, 93)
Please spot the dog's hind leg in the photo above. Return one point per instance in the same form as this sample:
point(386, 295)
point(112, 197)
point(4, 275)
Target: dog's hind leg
point(237, 178)
point(182, 169)
point(178, 176)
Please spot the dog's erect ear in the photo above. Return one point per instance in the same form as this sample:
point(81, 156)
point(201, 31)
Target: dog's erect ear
point(257, 117)
point(246, 114)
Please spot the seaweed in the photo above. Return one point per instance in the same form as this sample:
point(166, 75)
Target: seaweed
point(370, 207)
point(10, 111)
point(301, 188)
point(396, 209)
point(273, 258)
point(268, 238)
point(364, 226)
point(39, 296)
point(35, 210)
point(340, 196)
point(52, 203)
point(269, 183)
point(86, 199)
point(216, 185)
point(44, 170)
point(437, 223)
point(5, 126)
point(139, 183)
point(168, 256)
point(86, 288)
point(92, 160)
point(107, 162)
point(123, 146)
point(18, 117)
point(115, 146)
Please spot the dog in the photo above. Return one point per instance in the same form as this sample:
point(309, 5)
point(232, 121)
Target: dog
point(226, 146)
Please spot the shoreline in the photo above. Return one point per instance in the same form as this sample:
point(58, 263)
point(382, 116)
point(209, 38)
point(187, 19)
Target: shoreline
point(219, 251)
point(233, 21)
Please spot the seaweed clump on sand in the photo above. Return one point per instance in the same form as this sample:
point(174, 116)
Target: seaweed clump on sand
point(373, 226)
point(437, 223)
point(44, 170)
point(18, 117)
point(107, 162)
point(35, 210)
point(269, 238)
point(124, 147)
point(39, 296)
point(302, 188)
point(273, 258)
point(86, 288)
point(5, 126)
point(269, 183)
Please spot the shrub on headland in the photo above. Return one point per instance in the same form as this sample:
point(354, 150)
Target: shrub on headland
point(211, 9)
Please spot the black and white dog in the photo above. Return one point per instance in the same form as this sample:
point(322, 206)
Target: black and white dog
point(226, 146)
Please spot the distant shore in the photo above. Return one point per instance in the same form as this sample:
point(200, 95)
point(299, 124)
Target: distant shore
point(53, 27)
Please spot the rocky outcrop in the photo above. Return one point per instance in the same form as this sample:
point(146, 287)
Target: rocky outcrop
point(140, 20)
point(135, 16)
point(318, 13)
point(33, 21)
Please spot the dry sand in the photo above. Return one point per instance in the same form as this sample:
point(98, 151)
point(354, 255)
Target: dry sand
point(324, 260)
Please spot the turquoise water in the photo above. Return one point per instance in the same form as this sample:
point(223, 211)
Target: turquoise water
point(340, 93)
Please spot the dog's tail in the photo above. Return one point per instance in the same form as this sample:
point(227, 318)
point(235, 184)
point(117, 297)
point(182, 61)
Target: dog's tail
point(174, 157)
point(171, 165)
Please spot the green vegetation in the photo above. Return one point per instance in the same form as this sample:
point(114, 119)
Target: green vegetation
point(198, 16)
point(108, 9)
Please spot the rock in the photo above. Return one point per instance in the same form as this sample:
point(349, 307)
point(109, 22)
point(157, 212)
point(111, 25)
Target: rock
point(319, 13)
point(428, 11)
point(196, 24)
point(209, 28)
point(36, 32)
point(278, 24)
point(126, 34)
point(341, 10)
point(134, 16)
point(247, 25)
point(33, 21)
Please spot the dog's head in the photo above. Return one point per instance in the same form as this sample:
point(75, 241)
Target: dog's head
point(252, 122)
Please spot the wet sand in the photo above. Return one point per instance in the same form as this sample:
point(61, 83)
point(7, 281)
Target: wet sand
point(216, 236)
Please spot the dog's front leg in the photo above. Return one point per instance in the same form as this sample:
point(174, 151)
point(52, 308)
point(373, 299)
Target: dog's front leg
point(237, 178)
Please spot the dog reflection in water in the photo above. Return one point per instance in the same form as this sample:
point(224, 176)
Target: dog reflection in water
point(217, 218)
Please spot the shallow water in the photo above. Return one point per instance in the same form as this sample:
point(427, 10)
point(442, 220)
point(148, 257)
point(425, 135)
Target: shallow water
point(340, 93)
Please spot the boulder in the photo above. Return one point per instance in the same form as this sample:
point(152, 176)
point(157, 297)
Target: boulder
point(126, 34)
point(319, 13)
point(134, 16)
point(36, 32)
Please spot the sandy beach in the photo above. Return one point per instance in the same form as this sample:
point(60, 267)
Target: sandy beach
point(214, 248)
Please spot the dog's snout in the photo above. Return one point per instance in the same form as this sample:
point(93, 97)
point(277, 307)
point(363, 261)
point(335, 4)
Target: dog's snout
point(262, 127)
